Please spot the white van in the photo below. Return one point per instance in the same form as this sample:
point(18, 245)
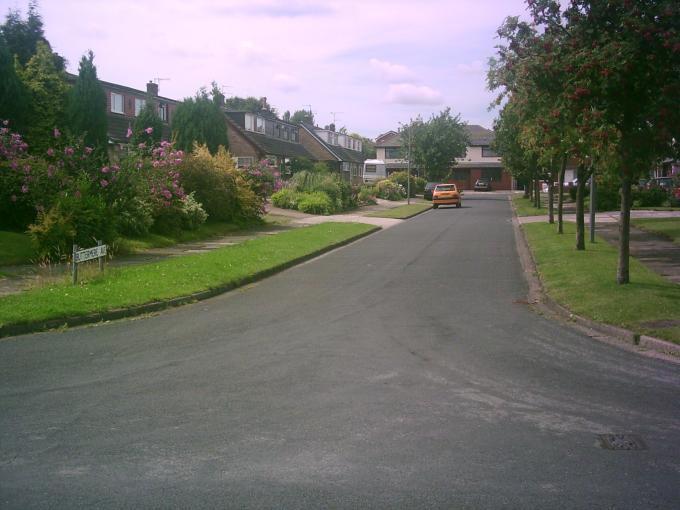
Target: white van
point(374, 170)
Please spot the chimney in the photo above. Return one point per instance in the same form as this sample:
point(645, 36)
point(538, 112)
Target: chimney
point(263, 103)
point(152, 89)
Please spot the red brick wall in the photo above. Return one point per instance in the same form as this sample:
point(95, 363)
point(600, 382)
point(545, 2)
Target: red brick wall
point(239, 146)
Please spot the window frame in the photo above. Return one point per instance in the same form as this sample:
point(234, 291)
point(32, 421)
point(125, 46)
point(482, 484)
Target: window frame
point(113, 96)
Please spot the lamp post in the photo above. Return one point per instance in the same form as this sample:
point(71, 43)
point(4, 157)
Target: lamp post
point(408, 162)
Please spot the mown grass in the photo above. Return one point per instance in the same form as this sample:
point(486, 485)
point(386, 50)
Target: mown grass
point(181, 276)
point(525, 207)
point(401, 212)
point(15, 248)
point(585, 283)
point(665, 227)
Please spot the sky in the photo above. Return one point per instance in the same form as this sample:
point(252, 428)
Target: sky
point(368, 65)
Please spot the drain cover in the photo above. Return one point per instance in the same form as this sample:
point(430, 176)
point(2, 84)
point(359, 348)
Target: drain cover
point(621, 442)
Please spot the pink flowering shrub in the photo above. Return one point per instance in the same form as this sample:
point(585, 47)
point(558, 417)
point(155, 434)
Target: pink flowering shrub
point(264, 178)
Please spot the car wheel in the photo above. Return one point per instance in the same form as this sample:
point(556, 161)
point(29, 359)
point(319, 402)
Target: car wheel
point(434, 206)
point(459, 205)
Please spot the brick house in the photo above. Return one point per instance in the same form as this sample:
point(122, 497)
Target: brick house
point(255, 136)
point(341, 152)
point(479, 161)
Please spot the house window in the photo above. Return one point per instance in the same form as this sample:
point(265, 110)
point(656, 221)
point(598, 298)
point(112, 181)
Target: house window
point(488, 152)
point(277, 130)
point(286, 133)
point(493, 174)
point(370, 169)
point(293, 135)
point(259, 124)
point(249, 122)
point(117, 103)
point(139, 106)
point(392, 152)
point(243, 162)
point(163, 111)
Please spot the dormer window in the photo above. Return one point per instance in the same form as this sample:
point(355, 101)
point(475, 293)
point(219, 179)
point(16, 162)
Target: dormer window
point(259, 124)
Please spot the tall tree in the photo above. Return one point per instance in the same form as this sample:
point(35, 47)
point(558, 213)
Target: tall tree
point(303, 116)
point(434, 145)
point(200, 120)
point(48, 91)
point(22, 36)
point(13, 94)
point(86, 112)
point(249, 104)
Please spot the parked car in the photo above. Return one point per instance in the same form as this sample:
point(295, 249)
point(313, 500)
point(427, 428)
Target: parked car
point(429, 188)
point(661, 182)
point(482, 184)
point(446, 194)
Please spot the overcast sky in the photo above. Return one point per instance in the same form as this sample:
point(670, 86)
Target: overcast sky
point(374, 63)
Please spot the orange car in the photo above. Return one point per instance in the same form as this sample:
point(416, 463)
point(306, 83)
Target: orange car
point(446, 194)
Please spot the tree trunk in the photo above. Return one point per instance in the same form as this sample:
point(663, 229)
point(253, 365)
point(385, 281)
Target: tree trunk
point(560, 196)
point(622, 272)
point(537, 193)
point(551, 197)
point(580, 209)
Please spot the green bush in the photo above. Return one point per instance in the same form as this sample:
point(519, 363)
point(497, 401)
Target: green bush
point(321, 180)
point(402, 178)
point(420, 185)
point(390, 190)
point(286, 198)
point(223, 192)
point(608, 197)
point(316, 202)
point(367, 195)
point(654, 197)
point(72, 219)
point(187, 214)
point(134, 217)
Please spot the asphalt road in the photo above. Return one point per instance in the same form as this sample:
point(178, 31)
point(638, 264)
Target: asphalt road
point(402, 371)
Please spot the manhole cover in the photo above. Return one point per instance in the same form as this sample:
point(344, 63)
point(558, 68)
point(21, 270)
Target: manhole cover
point(621, 442)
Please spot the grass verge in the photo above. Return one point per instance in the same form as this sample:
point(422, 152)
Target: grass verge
point(665, 227)
point(585, 283)
point(401, 212)
point(181, 276)
point(525, 207)
point(15, 248)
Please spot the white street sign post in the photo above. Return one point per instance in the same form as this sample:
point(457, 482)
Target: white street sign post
point(96, 252)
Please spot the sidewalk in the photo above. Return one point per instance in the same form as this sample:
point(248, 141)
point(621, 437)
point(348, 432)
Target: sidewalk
point(23, 277)
point(657, 253)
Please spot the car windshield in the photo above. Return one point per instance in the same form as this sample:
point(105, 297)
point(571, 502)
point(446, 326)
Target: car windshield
point(446, 187)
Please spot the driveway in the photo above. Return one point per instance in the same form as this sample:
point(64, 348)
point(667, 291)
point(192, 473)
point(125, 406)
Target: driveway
point(402, 371)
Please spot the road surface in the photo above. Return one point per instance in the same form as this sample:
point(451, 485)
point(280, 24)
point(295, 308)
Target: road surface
point(402, 371)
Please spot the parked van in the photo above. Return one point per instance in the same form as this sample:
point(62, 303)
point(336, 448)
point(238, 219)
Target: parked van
point(374, 170)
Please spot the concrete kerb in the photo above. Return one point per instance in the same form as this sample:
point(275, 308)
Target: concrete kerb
point(544, 304)
point(157, 306)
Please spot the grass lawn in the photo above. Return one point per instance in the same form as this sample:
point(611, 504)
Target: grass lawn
point(585, 282)
point(666, 227)
point(15, 248)
point(402, 212)
point(181, 276)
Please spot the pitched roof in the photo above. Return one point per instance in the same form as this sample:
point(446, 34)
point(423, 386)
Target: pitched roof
point(479, 135)
point(270, 145)
point(340, 153)
point(389, 139)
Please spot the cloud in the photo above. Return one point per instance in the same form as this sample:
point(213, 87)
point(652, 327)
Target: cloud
point(275, 9)
point(475, 67)
point(248, 53)
point(407, 93)
point(286, 83)
point(392, 72)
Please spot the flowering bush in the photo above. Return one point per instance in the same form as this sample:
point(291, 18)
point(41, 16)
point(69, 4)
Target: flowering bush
point(367, 195)
point(264, 178)
point(390, 190)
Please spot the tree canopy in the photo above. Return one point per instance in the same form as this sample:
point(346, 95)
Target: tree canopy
point(305, 116)
point(598, 81)
point(433, 146)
